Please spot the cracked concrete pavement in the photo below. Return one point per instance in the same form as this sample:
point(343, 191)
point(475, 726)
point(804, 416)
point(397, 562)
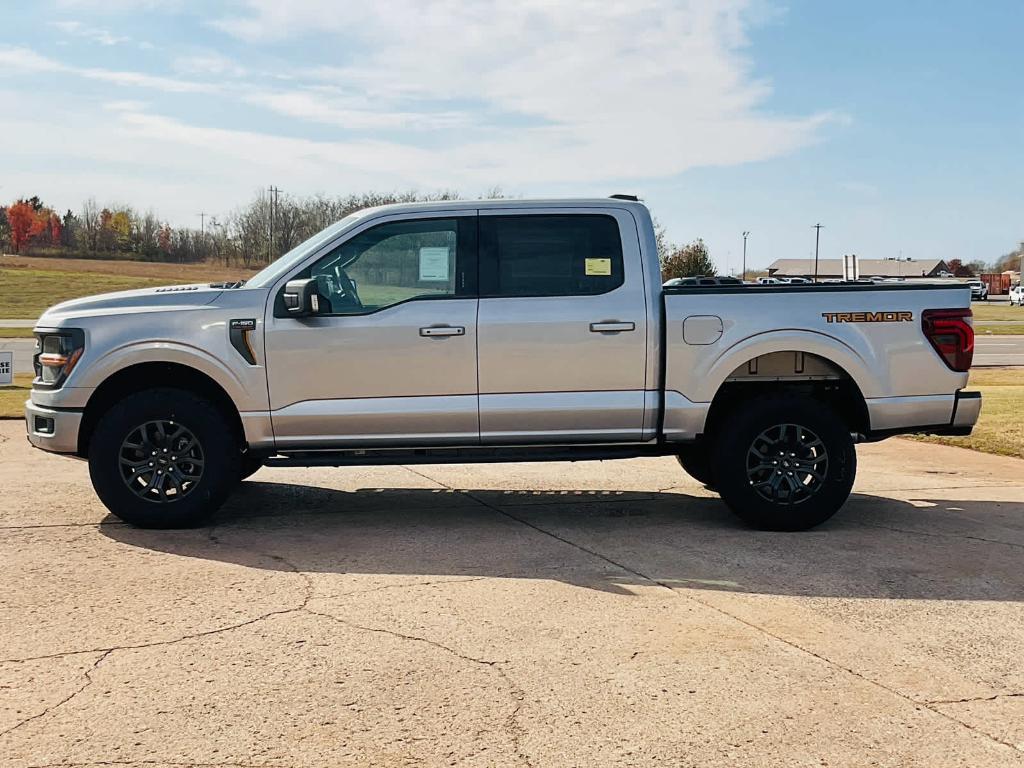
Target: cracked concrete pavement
point(528, 614)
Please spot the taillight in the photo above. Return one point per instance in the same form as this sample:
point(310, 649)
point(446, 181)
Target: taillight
point(951, 333)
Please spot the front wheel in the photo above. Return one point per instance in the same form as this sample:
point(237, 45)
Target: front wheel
point(695, 460)
point(163, 458)
point(784, 463)
point(249, 465)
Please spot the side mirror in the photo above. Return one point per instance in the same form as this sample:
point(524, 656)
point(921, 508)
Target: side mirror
point(300, 298)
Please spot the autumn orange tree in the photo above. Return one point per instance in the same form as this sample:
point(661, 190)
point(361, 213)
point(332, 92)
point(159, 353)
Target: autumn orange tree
point(19, 219)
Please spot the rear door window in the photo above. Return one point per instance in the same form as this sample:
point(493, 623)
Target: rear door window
point(549, 255)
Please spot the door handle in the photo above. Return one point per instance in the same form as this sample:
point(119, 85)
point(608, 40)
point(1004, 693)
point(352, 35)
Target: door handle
point(443, 330)
point(613, 326)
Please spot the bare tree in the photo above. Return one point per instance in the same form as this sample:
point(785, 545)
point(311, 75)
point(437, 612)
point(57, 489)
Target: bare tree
point(90, 224)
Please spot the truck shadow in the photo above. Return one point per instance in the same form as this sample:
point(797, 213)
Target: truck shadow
point(614, 541)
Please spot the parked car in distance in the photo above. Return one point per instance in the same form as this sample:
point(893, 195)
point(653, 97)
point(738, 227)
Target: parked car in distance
point(707, 281)
point(979, 290)
point(1017, 295)
point(769, 281)
point(489, 331)
point(797, 280)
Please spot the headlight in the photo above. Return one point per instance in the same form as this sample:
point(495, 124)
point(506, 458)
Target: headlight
point(57, 353)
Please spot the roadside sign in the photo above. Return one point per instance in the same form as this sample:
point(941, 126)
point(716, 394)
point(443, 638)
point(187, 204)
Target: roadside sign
point(6, 368)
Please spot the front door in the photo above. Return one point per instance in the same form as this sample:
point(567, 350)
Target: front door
point(390, 358)
point(562, 327)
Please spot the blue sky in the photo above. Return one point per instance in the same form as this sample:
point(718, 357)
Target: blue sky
point(897, 125)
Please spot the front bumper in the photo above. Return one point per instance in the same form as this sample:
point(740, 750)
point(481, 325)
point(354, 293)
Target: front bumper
point(52, 429)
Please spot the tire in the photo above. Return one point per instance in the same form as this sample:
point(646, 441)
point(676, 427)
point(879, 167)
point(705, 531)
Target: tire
point(695, 460)
point(248, 466)
point(767, 494)
point(194, 453)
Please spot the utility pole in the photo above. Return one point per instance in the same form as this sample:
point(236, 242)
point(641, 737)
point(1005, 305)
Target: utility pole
point(745, 236)
point(202, 222)
point(274, 191)
point(817, 239)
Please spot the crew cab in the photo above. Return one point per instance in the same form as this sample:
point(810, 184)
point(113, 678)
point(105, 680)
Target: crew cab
point(979, 289)
point(489, 331)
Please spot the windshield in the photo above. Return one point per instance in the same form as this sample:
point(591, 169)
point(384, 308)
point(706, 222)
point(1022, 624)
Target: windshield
point(278, 268)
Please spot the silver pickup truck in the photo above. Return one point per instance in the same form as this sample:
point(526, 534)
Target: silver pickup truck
point(494, 331)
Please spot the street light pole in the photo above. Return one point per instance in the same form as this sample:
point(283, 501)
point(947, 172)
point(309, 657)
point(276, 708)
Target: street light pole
point(745, 235)
point(817, 239)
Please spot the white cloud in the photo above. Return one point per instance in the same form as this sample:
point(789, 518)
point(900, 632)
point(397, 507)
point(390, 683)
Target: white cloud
point(118, 6)
point(319, 105)
point(95, 34)
point(648, 88)
point(532, 95)
point(27, 60)
point(209, 63)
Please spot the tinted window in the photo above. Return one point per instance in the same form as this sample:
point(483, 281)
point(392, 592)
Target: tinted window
point(549, 255)
point(391, 263)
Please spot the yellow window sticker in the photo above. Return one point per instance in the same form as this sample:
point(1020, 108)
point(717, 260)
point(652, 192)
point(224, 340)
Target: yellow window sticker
point(598, 266)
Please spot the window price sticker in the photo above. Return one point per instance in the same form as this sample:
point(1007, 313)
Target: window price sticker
point(434, 265)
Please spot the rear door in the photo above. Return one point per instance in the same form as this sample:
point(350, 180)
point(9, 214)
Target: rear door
point(562, 326)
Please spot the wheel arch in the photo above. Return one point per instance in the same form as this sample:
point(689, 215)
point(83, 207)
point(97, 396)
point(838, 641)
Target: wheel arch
point(814, 376)
point(150, 375)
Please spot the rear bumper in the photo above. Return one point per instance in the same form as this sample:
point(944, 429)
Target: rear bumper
point(966, 412)
point(966, 409)
point(52, 429)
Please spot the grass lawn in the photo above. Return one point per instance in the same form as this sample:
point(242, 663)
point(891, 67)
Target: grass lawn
point(28, 292)
point(15, 333)
point(996, 311)
point(12, 398)
point(1001, 426)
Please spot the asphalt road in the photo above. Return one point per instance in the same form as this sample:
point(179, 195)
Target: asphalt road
point(587, 614)
point(998, 350)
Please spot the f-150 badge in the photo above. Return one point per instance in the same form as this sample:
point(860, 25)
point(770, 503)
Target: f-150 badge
point(868, 317)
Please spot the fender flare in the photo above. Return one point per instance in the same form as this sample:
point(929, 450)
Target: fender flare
point(175, 352)
point(863, 369)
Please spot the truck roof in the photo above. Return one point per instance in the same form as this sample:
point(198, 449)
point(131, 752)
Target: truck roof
point(509, 202)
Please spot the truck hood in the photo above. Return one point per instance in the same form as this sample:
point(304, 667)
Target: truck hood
point(164, 298)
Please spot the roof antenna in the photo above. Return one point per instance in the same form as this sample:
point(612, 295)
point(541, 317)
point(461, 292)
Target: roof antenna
point(633, 198)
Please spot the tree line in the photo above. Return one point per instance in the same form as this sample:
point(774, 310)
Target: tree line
point(255, 234)
point(251, 236)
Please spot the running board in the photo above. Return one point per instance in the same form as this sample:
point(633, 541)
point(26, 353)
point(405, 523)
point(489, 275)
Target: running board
point(469, 455)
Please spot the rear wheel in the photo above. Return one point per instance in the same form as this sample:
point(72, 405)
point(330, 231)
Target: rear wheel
point(163, 458)
point(784, 463)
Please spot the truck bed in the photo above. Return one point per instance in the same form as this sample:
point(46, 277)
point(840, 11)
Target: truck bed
point(869, 334)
